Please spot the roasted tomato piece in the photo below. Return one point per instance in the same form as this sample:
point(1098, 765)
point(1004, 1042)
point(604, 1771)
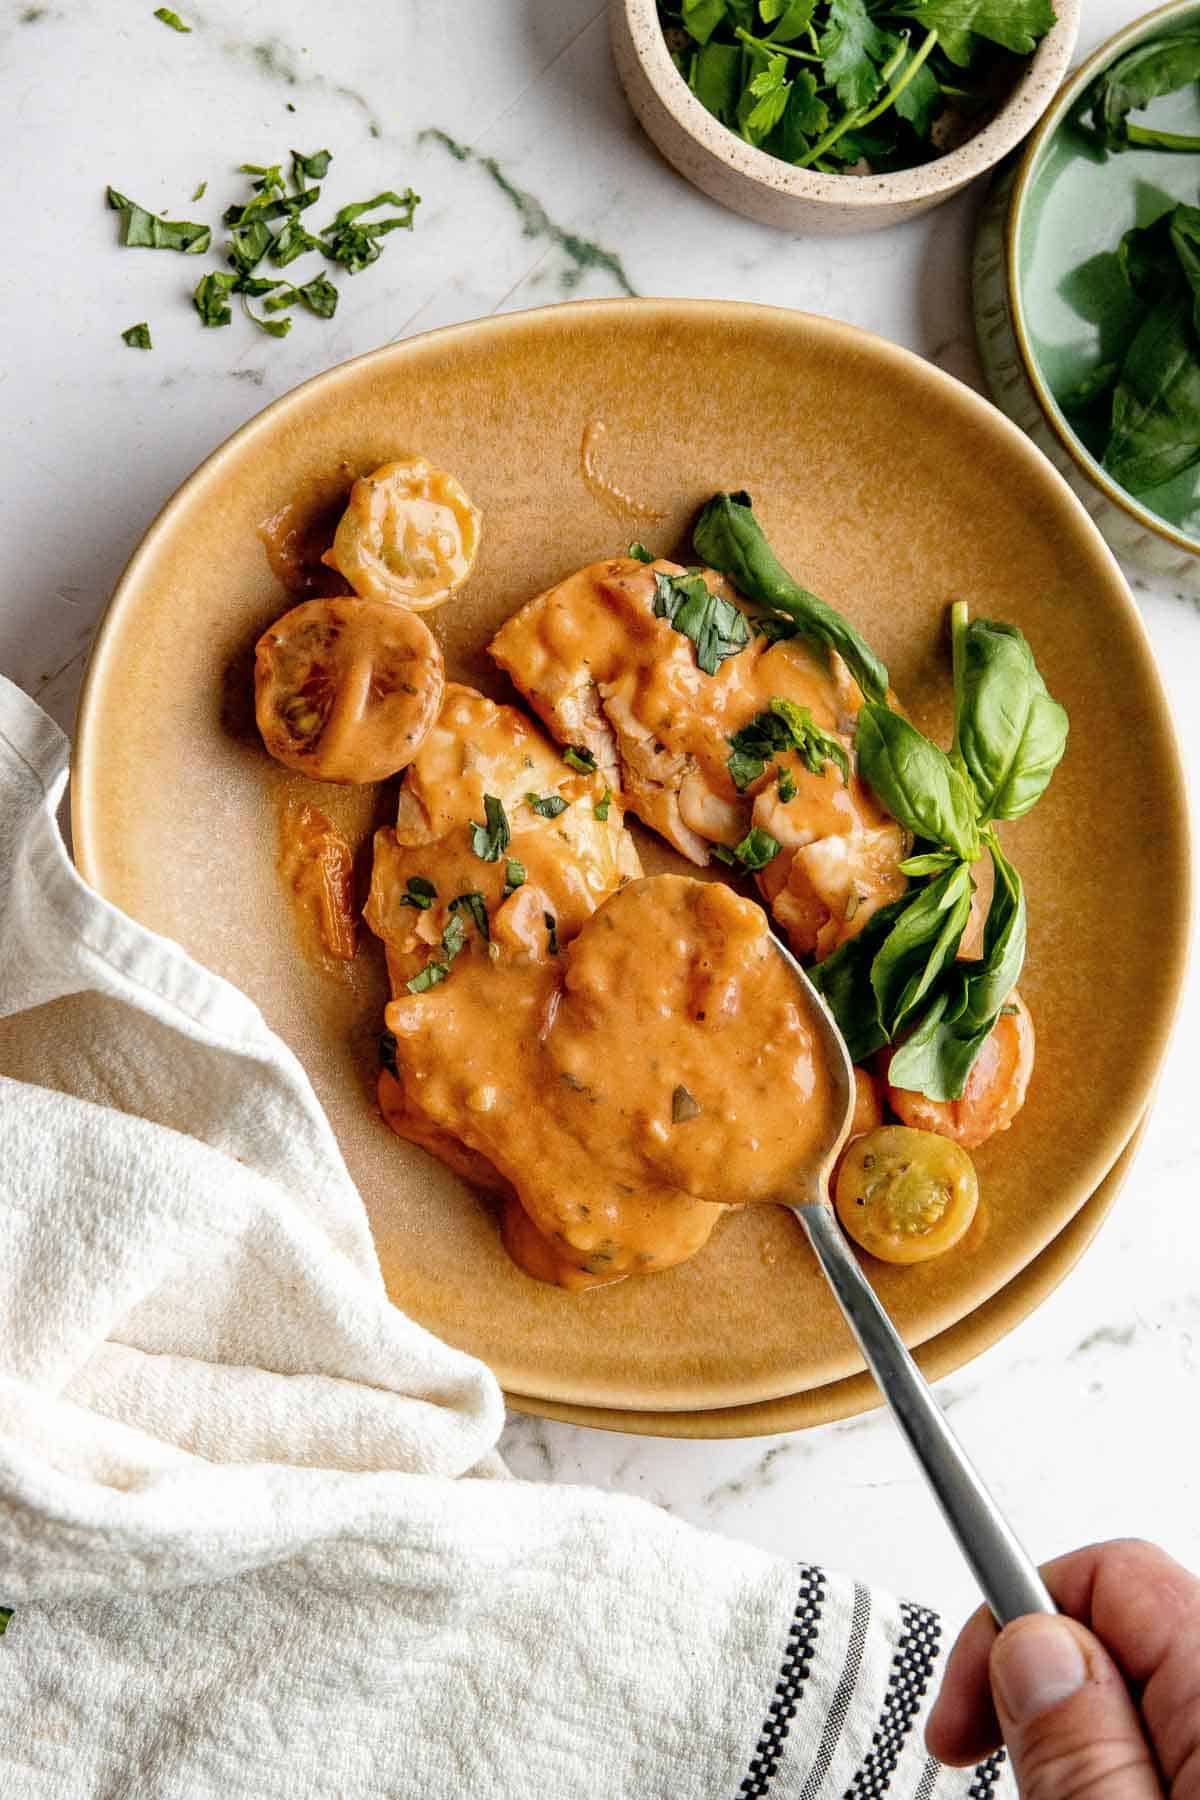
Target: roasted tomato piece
point(345, 690)
point(906, 1195)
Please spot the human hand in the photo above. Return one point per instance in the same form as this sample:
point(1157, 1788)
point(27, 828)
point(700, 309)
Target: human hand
point(1100, 1704)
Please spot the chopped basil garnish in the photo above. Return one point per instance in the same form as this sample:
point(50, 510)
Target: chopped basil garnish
point(211, 298)
point(576, 757)
point(787, 786)
point(783, 727)
point(387, 1053)
point(552, 932)
point(319, 295)
point(474, 904)
point(142, 230)
point(715, 626)
point(755, 851)
point(454, 937)
point(291, 241)
point(170, 18)
point(356, 246)
point(600, 810)
point(428, 977)
point(547, 806)
point(640, 553)
point(684, 1106)
point(201, 190)
point(489, 841)
point(421, 893)
point(138, 337)
point(514, 877)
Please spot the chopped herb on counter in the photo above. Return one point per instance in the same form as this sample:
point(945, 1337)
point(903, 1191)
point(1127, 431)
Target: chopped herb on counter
point(170, 18)
point(142, 230)
point(138, 337)
point(201, 190)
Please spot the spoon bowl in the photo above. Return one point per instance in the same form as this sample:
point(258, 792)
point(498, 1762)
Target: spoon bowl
point(1007, 1575)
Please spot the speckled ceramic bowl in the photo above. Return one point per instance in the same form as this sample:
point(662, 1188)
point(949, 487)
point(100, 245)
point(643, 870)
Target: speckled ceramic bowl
point(762, 187)
point(1045, 301)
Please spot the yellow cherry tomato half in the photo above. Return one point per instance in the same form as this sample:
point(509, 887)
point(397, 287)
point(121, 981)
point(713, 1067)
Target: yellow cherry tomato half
point(409, 534)
point(906, 1195)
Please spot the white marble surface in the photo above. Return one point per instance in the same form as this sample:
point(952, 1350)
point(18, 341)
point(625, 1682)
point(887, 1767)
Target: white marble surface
point(1084, 1418)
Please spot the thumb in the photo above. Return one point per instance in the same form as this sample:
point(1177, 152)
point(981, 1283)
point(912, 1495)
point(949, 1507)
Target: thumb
point(1071, 1728)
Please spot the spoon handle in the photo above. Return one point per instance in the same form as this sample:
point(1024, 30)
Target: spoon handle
point(1006, 1575)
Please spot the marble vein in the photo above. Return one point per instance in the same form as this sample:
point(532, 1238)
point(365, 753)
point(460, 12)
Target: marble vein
point(583, 256)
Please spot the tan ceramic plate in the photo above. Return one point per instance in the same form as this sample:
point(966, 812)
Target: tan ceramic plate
point(892, 490)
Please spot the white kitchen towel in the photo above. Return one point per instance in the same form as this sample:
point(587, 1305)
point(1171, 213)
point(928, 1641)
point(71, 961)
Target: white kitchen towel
point(253, 1529)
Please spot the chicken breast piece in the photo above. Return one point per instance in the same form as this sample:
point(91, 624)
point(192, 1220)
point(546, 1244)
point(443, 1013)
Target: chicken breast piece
point(601, 670)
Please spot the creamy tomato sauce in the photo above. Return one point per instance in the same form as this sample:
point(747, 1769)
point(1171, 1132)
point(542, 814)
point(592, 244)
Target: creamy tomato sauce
point(317, 867)
point(602, 670)
point(662, 1066)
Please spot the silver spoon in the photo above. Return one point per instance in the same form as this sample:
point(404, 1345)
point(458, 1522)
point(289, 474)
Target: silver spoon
point(1007, 1576)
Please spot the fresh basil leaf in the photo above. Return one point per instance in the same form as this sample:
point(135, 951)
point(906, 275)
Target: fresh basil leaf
point(547, 806)
point(640, 553)
point(938, 1056)
point(170, 18)
point(1161, 66)
point(1156, 406)
point(211, 298)
point(1147, 259)
point(576, 756)
point(715, 626)
point(600, 810)
point(142, 230)
point(420, 893)
point(138, 337)
point(1096, 385)
point(844, 982)
point(915, 781)
point(1009, 732)
point(310, 168)
point(928, 863)
point(429, 976)
point(920, 945)
point(729, 538)
point(474, 904)
point(490, 840)
point(1015, 24)
point(514, 876)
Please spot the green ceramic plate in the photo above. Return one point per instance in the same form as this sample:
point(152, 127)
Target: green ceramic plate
point(1070, 307)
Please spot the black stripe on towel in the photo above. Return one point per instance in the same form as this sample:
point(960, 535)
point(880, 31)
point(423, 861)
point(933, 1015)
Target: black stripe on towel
point(912, 1667)
point(986, 1777)
point(793, 1673)
point(843, 1694)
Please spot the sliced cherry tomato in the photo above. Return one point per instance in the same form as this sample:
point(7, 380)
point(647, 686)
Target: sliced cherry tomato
point(409, 535)
point(345, 690)
point(995, 1090)
point(906, 1195)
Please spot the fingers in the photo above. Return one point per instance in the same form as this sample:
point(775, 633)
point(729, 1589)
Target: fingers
point(1145, 1608)
point(1072, 1730)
